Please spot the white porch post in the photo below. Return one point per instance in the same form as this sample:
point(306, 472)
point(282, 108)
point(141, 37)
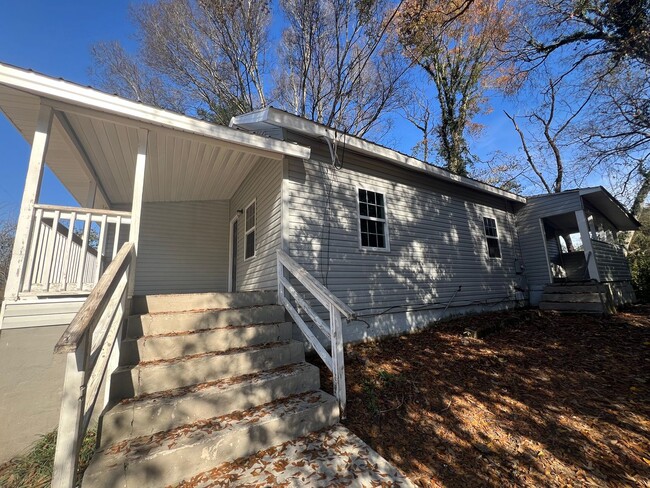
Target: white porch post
point(583, 227)
point(30, 198)
point(136, 208)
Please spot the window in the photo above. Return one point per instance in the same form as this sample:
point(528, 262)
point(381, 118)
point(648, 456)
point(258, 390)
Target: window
point(249, 237)
point(372, 220)
point(492, 237)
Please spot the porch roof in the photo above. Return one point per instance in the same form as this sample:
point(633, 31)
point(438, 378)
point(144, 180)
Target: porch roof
point(600, 199)
point(94, 137)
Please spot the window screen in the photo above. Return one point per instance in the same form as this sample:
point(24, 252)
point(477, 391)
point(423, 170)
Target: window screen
point(492, 237)
point(372, 220)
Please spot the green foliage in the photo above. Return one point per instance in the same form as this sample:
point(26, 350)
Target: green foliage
point(34, 469)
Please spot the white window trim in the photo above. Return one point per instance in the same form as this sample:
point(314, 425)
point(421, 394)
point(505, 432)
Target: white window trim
point(248, 231)
point(497, 238)
point(384, 220)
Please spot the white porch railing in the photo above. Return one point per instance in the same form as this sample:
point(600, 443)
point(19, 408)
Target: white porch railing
point(67, 250)
point(336, 308)
point(91, 344)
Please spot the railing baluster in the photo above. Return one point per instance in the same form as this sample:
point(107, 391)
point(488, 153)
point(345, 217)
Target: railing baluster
point(49, 254)
point(100, 249)
point(338, 366)
point(29, 268)
point(65, 273)
point(84, 252)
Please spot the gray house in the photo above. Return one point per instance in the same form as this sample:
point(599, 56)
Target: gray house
point(202, 253)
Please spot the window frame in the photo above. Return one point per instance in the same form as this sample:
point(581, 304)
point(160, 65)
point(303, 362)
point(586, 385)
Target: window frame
point(384, 220)
point(497, 238)
point(253, 230)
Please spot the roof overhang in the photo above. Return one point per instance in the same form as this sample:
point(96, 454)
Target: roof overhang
point(73, 95)
point(270, 118)
point(610, 207)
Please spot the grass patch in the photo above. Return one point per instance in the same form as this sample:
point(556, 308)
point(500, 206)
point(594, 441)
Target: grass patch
point(34, 468)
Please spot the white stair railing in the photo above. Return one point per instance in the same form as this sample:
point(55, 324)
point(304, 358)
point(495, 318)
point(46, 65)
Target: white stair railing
point(91, 344)
point(68, 248)
point(332, 331)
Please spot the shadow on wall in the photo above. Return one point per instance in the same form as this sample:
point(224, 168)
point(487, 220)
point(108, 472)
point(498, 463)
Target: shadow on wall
point(438, 262)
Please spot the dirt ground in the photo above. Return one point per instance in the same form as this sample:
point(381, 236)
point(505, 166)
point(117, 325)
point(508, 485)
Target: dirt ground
point(547, 400)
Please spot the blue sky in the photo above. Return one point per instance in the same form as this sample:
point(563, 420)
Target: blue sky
point(54, 38)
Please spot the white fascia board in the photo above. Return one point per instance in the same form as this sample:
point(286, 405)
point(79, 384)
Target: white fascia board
point(292, 122)
point(55, 89)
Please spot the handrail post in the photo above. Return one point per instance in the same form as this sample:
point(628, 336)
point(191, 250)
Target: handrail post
point(280, 268)
point(69, 435)
point(338, 362)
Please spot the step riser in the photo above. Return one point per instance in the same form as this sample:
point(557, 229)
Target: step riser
point(144, 325)
point(200, 301)
point(135, 421)
point(571, 297)
point(215, 340)
point(142, 380)
point(171, 466)
point(572, 307)
point(555, 289)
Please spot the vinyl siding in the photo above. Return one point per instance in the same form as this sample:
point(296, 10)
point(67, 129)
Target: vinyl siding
point(611, 261)
point(532, 239)
point(183, 247)
point(437, 241)
point(40, 313)
point(263, 184)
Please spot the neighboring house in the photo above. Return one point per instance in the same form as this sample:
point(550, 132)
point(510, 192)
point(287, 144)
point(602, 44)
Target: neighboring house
point(401, 242)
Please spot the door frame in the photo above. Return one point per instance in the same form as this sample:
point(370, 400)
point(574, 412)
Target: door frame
point(230, 251)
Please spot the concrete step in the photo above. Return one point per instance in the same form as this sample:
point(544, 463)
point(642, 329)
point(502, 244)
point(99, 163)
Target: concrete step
point(170, 457)
point(580, 288)
point(172, 345)
point(144, 304)
point(171, 409)
point(146, 378)
point(571, 297)
point(572, 307)
point(163, 323)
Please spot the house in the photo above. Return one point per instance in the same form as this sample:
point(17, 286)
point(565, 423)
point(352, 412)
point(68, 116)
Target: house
point(185, 227)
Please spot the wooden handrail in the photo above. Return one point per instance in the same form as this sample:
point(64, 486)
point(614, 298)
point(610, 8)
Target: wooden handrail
point(82, 210)
point(333, 331)
point(93, 307)
point(314, 286)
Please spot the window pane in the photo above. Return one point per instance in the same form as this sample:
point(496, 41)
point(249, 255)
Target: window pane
point(372, 226)
point(380, 199)
point(372, 211)
point(372, 240)
point(380, 241)
point(371, 197)
point(379, 226)
point(362, 196)
point(380, 212)
point(250, 217)
point(364, 225)
point(364, 240)
point(250, 245)
point(493, 248)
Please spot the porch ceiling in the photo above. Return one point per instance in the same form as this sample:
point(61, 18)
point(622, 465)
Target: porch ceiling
point(95, 136)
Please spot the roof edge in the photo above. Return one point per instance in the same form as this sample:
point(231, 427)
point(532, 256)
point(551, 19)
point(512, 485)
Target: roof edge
point(57, 89)
point(289, 121)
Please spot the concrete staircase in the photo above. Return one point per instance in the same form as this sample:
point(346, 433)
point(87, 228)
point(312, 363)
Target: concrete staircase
point(204, 379)
point(579, 297)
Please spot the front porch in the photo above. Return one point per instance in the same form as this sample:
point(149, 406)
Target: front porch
point(172, 186)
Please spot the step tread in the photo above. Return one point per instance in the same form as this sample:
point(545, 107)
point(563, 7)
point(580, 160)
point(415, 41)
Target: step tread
point(187, 301)
point(329, 457)
point(208, 430)
point(208, 388)
point(205, 355)
point(183, 333)
point(194, 311)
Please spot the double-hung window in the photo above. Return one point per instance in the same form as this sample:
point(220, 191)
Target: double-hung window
point(492, 237)
point(373, 230)
point(249, 235)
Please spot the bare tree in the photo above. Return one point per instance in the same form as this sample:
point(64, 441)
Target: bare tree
point(7, 233)
point(338, 64)
point(461, 54)
point(419, 112)
point(204, 57)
